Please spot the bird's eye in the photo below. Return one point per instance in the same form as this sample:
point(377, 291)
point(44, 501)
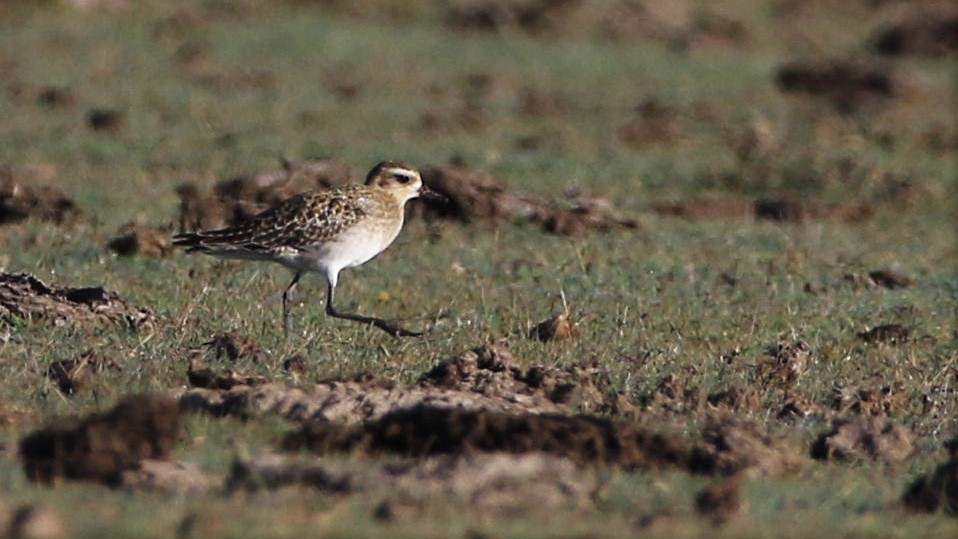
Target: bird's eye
point(402, 179)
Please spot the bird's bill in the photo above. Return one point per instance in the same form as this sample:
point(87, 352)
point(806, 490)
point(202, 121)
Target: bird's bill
point(428, 194)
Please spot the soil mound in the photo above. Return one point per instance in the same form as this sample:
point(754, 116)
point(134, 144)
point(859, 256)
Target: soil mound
point(495, 482)
point(21, 198)
point(485, 378)
point(102, 446)
point(425, 430)
point(869, 437)
point(25, 296)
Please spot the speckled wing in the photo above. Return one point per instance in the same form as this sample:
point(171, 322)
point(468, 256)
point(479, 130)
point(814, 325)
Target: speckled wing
point(294, 224)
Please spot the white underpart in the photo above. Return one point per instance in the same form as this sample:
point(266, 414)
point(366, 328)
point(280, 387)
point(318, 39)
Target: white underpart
point(351, 248)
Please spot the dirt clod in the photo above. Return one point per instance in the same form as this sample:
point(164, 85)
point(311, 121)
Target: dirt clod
point(877, 398)
point(497, 482)
point(730, 445)
point(143, 240)
point(207, 378)
point(785, 364)
point(740, 399)
point(889, 279)
point(558, 328)
point(175, 478)
point(37, 522)
point(479, 197)
point(934, 34)
point(782, 209)
point(73, 375)
point(847, 85)
point(25, 296)
point(475, 196)
point(234, 346)
point(423, 430)
point(721, 500)
point(886, 333)
point(485, 378)
point(653, 123)
point(928, 493)
point(102, 446)
point(870, 438)
point(103, 119)
point(22, 198)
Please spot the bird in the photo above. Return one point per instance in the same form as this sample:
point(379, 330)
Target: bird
point(323, 232)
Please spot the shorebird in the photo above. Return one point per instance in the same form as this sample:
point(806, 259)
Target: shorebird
point(323, 232)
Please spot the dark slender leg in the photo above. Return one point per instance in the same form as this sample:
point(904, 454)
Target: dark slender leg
point(388, 327)
point(286, 294)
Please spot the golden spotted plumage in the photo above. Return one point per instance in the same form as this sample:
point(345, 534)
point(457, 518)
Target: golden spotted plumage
point(323, 231)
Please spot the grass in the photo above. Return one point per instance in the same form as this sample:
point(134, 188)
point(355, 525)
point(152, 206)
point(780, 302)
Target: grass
point(649, 303)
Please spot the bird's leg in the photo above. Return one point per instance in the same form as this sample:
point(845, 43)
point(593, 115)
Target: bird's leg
point(388, 327)
point(286, 294)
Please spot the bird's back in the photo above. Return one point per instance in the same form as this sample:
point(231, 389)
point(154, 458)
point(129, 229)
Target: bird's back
point(300, 222)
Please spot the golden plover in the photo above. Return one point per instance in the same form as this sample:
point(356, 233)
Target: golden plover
point(323, 232)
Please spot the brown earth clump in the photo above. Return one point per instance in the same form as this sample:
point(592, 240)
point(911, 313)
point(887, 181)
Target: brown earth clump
point(848, 86)
point(886, 333)
point(424, 430)
point(587, 213)
point(497, 482)
point(889, 279)
point(797, 405)
point(490, 370)
point(485, 378)
point(785, 364)
point(932, 34)
point(207, 378)
point(74, 375)
point(55, 97)
point(721, 500)
point(928, 493)
point(883, 278)
point(878, 399)
point(741, 399)
point(675, 394)
point(479, 197)
point(730, 445)
point(868, 438)
point(234, 346)
point(105, 119)
point(653, 123)
point(25, 296)
point(172, 478)
point(236, 200)
point(785, 209)
point(558, 328)
point(22, 198)
point(143, 240)
point(499, 15)
point(34, 521)
point(102, 446)
point(475, 196)
point(536, 102)
point(706, 208)
point(939, 490)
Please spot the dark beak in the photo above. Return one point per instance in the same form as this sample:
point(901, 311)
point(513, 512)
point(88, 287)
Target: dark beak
point(428, 194)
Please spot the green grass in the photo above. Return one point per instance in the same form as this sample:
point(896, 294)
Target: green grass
point(649, 302)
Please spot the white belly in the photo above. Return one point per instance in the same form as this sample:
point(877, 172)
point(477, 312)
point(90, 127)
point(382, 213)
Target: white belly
point(351, 248)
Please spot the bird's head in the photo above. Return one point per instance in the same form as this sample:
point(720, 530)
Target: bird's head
point(402, 179)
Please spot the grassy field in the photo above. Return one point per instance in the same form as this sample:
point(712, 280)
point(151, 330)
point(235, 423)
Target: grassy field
point(549, 103)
